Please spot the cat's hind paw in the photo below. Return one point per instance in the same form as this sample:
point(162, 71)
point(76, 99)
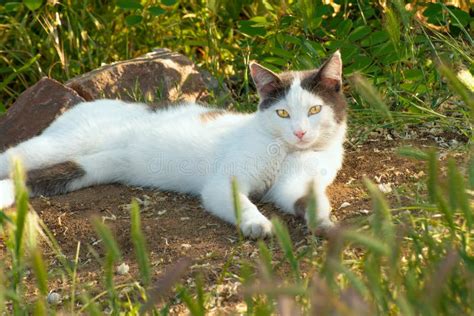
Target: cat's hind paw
point(256, 228)
point(7, 193)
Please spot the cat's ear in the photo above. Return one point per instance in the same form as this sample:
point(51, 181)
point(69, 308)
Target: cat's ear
point(265, 80)
point(330, 73)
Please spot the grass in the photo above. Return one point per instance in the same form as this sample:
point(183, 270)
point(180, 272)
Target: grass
point(419, 260)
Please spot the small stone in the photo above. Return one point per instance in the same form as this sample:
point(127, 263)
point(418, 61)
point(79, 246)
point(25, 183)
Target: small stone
point(345, 204)
point(385, 187)
point(123, 269)
point(54, 298)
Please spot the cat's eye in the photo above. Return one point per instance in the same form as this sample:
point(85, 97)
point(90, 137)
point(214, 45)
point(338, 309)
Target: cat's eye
point(283, 113)
point(314, 110)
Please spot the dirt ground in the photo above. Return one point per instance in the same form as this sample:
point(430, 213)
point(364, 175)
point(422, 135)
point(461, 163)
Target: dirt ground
point(176, 225)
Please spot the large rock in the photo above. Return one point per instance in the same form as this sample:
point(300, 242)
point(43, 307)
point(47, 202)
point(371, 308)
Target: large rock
point(34, 110)
point(158, 77)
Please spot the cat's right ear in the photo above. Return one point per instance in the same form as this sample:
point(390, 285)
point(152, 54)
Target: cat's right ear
point(265, 80)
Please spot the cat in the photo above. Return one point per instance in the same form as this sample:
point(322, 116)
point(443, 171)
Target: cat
point(292, 144)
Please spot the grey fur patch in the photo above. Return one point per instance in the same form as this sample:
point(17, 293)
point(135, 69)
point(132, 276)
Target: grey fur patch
point(279, 91)
point(329, 90)
point(53, 180)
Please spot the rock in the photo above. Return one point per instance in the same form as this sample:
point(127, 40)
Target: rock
point(161, 76)
point(34, 110)
point(54, 298)
point(158, 77)
point(219, 90)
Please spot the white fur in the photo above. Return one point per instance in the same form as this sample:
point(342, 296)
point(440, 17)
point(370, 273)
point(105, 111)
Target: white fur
point(7, 193)
point(173, 149)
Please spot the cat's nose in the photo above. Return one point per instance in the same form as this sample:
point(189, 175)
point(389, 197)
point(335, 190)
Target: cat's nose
point(300, 134)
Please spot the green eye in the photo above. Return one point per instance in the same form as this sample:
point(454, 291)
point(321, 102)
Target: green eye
point(283, 113)
point(314, 110)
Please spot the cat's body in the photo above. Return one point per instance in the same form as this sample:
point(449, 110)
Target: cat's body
point(198, 150)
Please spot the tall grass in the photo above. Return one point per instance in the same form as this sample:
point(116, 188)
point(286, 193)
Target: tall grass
point(420, 261)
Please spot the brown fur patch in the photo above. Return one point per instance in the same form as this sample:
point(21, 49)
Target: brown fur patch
point(300, 206)
point(210, 115)
point(54, 179)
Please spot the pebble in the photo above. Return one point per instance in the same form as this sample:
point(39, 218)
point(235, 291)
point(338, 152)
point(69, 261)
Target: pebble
point(385, 187)
point(53, 298)
point(123, 269)
point(345, 204)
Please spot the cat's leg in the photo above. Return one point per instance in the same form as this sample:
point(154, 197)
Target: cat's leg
point(35, 153)
point(291, 191)
point(109, 166)
point(51, 180)
point(99, 168)
point(217, 198)
point(292, 195)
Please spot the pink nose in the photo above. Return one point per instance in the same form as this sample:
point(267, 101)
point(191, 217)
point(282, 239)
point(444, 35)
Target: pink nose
point(300, 134)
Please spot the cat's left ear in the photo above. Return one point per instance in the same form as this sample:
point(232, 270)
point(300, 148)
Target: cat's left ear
point(330, 73)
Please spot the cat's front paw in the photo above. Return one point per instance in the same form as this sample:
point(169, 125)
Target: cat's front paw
point(256, 228)
point(7, 193)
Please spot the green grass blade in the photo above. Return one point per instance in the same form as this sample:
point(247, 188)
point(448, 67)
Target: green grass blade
point(113, 253)
point(392, 25)
point(139, 243)
point(283, 237)
point(237, 206)
point(370, 95)
point(74, 277)
point(16, 72)
point(107, 237)
point(21, 198)
point(432, 176)
point(39, 269)
point(374, 245)
point(382, 220)
point(456, 85)
point(40, 308)
point(2, 290)
point(414, 153)
point(265, 260)
point(312, 210)
point(191, 304)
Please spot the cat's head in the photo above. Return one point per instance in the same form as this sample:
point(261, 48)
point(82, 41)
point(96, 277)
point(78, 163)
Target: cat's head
point(305, 109)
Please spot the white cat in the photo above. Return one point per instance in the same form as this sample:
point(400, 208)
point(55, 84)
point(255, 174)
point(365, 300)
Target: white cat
point(294, 140)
